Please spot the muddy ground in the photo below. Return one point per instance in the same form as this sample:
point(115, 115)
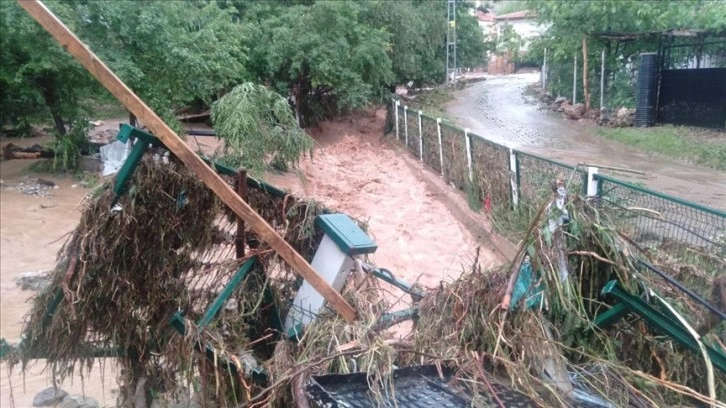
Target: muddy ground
point(424, 233)
point(499, 109)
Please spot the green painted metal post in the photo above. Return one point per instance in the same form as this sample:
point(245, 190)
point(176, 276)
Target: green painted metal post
point(607, 318)
point(663, 323)
point(226, 293)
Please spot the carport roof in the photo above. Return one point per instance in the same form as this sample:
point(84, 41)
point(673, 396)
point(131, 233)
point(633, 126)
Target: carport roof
point(630, 36)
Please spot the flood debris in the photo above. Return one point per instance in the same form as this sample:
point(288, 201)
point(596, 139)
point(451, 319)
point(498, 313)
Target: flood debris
point(138, 285)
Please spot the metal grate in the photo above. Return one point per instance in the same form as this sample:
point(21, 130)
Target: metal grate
point(413, 387)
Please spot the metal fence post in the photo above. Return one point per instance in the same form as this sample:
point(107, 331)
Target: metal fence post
point(397, 104)
point(602, 79)
point(405, 122)
point(441, 146)
point(544, 72)
point(420, 136)
point(592, 182)
point(514, 178)
point(467, 140)
point(574, 82)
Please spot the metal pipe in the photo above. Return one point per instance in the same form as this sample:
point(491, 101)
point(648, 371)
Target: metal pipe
point(602, 79)
point(687, 291)
point(544, 72)
point(574, 82)
point(192, 132)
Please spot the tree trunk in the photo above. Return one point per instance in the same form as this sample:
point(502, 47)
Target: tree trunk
point(585, 86)
point(60, 125)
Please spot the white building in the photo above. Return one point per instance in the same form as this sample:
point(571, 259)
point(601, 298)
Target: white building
point(523, 23)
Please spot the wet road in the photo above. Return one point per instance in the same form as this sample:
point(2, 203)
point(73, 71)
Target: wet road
point(499, 110)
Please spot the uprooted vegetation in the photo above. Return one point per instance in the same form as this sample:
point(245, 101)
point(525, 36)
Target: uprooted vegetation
point(122, 275)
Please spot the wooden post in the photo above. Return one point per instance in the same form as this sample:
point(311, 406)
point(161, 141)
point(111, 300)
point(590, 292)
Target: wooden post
point(171, 140)
point(239, 239)
point(585, 87)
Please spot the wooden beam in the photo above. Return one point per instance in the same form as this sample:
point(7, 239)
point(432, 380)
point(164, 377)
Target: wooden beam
point(173, 142)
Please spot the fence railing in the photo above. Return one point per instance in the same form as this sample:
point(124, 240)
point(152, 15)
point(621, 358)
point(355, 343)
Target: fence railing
point(500, 175)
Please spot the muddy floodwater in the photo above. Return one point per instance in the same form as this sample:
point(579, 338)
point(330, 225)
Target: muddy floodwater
point(500, 110)
point(353, 170)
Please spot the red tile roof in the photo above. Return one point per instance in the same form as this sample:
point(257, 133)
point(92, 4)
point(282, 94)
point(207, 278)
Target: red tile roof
point(517, 15)
point(482, 16)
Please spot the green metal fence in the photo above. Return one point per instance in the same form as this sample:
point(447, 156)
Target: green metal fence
point(654, 218)
point(491, 171)
point(498, 175)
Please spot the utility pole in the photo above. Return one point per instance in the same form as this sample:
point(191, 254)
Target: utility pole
point(451, 44)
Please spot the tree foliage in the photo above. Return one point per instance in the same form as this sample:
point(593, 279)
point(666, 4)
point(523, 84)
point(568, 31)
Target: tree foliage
point(258, 127)
point(38, 77)
point(470, 42)
point(326, 57)
point(340, 64)
point(566, 23)
point(170, 52)
point(417, 38)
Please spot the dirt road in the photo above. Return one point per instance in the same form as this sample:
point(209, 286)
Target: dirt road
point(499, 110)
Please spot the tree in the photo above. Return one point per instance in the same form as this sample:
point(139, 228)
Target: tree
point(323, 58)
point(37, 76)
point(417, 38)
point(171, 53)
point(567, 22)
point(470, 43)
point(258, 127)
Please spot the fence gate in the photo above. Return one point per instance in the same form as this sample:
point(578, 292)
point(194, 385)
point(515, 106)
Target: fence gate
point(693, 81)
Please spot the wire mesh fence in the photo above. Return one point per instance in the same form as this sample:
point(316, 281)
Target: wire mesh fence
point(537, 174)
point(652, 218)
point(431, 153)
point(414, 137)
point(401, 122)
point(453, 145)
point(491, 171)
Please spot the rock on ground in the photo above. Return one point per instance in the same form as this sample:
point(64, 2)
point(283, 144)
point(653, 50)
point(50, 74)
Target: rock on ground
point(37, 281)
point(79, 401)
point(49, 397)
point(576, 111)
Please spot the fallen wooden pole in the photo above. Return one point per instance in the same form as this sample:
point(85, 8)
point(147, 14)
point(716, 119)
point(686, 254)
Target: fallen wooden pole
point(171, 140)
